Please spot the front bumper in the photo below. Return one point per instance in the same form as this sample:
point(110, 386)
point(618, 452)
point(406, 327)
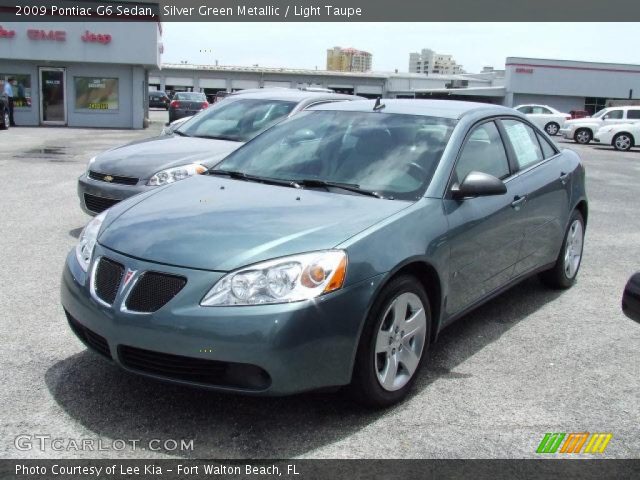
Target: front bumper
point(567, 133)
point(96, 195)
point(604, 138)
point(301, 346)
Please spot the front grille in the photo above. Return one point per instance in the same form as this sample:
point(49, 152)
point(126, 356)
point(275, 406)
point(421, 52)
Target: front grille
point(196, 370)
point(107, 279)
point(153, 290)
point(98, 204)
point(90, 339)
point(113, 178)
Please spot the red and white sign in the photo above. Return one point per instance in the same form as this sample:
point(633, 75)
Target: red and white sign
point(102, 38)
point(52, 35)
point(7, 33)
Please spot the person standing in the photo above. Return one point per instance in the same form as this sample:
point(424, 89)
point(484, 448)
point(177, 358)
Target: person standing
point(8, 91)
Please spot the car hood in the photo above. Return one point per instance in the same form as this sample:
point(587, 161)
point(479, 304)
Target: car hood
point(143, 158)
point(584, 121)
point(219, 224)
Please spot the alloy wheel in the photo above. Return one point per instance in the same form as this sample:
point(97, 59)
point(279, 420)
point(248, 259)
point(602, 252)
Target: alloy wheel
point(622, 142)
point(400, 341)
point(583, 136)
point(551, 129)
point(573, 249)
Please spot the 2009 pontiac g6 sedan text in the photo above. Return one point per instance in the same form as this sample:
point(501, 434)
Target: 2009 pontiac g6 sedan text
point(330, 250)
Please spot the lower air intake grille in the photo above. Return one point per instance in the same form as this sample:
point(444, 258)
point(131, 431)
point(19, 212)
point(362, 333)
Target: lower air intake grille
point(153, 290)
point(195, 370)
point(107, 279)
point(91, 339)
point(98, 204)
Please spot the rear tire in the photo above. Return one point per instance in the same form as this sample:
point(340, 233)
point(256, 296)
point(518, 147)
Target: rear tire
point(583, 136)
point(622, 142)
point(552, 128)
point(393, 344)
point(565, 271)
point(5, 121)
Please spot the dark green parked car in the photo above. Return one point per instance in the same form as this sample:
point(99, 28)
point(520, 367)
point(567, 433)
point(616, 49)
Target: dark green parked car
point(330, 250)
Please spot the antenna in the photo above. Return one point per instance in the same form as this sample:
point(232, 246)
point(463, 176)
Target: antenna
point(378, 106)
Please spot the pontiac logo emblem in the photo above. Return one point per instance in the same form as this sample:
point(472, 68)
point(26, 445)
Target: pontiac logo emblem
point(127, 277)
point(108, 178)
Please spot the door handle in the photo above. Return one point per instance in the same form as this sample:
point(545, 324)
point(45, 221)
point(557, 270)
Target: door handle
point(518, 201)
point(564, 177)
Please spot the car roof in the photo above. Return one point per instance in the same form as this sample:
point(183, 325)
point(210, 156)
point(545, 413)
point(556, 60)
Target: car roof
point(291, 94)
point(453, 109)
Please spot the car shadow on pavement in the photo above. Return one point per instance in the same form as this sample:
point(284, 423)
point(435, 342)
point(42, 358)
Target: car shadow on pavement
point(117, 405)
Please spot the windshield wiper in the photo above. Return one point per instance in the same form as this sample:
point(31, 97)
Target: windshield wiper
point(219, 137)
point(252, 178)
point(351, 187)
point(182, 134)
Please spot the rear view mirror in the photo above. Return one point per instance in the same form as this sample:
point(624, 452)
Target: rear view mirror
point(478, 184)
point(300, 136)
point(631, 298)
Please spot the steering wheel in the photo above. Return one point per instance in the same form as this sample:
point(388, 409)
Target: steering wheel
point(417, 171)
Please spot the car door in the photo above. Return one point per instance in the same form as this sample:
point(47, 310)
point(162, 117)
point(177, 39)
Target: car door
point(546, 185)
point(485, 233)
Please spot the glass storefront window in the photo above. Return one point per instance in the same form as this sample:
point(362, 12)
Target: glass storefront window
point(21, 89)
point(94, 93)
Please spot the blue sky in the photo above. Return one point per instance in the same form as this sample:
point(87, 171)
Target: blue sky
point(474, 45)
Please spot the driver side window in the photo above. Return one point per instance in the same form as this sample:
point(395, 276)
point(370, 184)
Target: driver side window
point(483, 152)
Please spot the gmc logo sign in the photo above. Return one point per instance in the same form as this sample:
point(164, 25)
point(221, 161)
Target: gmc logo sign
point(7, 33)
point(524, 70)
point(53, 35)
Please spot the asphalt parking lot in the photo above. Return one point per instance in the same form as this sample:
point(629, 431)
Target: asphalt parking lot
point(529, 362)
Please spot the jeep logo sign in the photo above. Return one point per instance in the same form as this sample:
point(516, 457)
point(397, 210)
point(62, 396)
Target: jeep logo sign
point(102, 38)
point(53, 35)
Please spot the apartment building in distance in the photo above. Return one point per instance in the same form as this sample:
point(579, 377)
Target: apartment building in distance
point(348, 60)
point(429, 62)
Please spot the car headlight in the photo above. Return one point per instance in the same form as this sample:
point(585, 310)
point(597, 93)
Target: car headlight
point(91, 160)
point(283, 280)
point(87, 242)
point(175, 174)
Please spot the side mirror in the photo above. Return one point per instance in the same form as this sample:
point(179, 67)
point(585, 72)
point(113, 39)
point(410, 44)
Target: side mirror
point(478, 184)
point(631, 298)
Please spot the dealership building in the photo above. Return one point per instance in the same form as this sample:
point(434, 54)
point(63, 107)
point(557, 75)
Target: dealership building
point(562, 84)
point(80, 74)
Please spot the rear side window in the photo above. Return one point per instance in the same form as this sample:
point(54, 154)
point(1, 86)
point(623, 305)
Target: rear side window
point(541, 110)
point(635, 114)
point(483, 152)
point(525, 143)
point(524, 110)
point(547, 149)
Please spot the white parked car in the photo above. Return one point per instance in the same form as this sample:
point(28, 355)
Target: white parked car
point(622, 137)
point(545, 117)
point(582, 130)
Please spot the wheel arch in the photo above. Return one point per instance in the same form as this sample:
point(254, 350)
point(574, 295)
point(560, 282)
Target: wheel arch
point(624, 132)
point(583, 208)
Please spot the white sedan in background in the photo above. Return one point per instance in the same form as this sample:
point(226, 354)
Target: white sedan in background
point(545, 117)
point(621, 137)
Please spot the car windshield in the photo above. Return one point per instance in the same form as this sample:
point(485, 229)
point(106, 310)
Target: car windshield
point(599, 113)
point(190, 97)
point(392, 155)
point(237, 120)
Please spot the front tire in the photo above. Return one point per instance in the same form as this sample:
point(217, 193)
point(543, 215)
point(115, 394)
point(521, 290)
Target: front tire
point(622, 142)
point(393, 344)
point(563, 274)
point(583, 136)
point(552, 128)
